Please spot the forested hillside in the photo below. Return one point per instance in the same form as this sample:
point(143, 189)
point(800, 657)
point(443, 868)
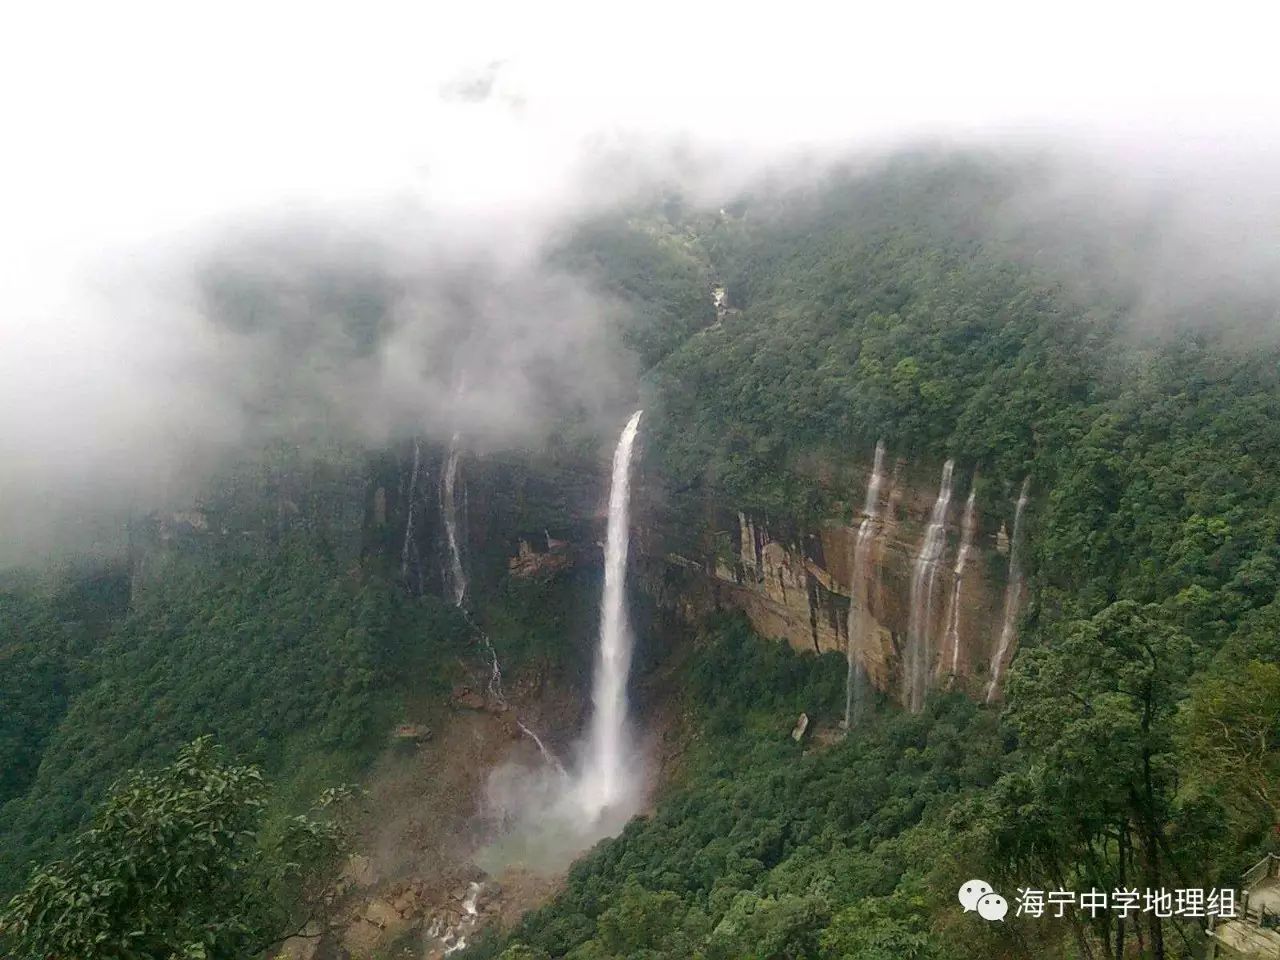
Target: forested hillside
point(930, 302)
point(1137, 744)
point(773, 850)
point(285, 657)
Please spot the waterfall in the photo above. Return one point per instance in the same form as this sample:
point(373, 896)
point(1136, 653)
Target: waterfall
point(547, 755)
point(410, 545)
point(455, 580)
point(604, 776)
point(951, 642)
point(471, 899)
point(548, 816)
point(1012, 596)
point(455, 577)
point(924, 576)
point(455, 938)
point(454, 573)
point(855, 679)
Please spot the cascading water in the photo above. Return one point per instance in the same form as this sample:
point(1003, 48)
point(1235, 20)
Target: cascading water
point(855, 679)
point(454, 573)
point(410, 549)
point(951, 642)
point(547, 817)
point(1012, 597)
point(924, 576)
point(455, 938)
point(455, 576)
point(547, 755)
point(604, 780)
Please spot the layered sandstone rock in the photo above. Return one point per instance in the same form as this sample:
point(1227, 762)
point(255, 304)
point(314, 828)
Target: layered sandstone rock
point(798, 587)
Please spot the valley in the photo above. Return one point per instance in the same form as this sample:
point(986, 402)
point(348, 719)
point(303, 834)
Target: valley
point(922, 563)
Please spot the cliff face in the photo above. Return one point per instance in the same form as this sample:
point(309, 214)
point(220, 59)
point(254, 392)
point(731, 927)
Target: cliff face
point(936, 626)
point(798, 585)
point(256, 502)
point(527, 515)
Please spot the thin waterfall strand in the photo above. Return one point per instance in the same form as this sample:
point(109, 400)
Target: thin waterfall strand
point(923, 578)
point(1012, 597)
point(951, 642)
point(547, 755)
point(455, 574)
point(604, 780)
point(855, 679)
point(410, 546)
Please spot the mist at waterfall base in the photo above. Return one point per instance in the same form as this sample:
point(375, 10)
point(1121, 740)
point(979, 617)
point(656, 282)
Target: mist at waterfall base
point(546, 815)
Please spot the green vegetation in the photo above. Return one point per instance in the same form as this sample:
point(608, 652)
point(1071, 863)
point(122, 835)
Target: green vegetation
point(46, 634)
point(656, 268)
point(545, 623)
point(288, 658)
point(771, 849)
point(175, 864)
point(33, 687)
point(1139, 744)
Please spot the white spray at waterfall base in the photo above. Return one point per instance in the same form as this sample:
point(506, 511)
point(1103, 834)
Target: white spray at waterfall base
point(549, 817)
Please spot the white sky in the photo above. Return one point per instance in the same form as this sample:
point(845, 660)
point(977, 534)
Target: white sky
point(129, 119)
point(131, 127)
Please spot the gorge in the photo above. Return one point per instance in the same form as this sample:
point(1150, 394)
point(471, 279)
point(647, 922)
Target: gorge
point(922, 563)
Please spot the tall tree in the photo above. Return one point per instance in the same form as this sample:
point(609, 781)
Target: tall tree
point(174, 865)
point(1094, 711)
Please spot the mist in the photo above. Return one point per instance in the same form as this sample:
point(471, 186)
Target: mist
point(333, 225)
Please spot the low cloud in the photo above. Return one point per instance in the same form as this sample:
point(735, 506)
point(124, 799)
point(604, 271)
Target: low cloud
point(334, 223)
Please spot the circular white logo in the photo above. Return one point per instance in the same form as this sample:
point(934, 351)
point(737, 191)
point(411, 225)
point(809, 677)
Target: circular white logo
point(992, 906)
point(972, 892)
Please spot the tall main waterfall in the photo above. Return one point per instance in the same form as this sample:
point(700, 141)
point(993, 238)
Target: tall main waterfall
point(1012, 596)
point(855, 679)
point(951, 641)
point(455, 575)
point(604, 778)
point(924, 576)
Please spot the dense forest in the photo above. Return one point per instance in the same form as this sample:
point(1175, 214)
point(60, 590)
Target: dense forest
point(282, 656)
point(920, 303)
point(1142, 713)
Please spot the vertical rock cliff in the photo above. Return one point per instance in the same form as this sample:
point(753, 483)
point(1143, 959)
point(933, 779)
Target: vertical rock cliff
point(797, 585)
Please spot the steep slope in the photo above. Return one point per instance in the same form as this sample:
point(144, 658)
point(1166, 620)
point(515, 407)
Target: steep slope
point(910, 305)
point(1127, 601)
point(288, 657)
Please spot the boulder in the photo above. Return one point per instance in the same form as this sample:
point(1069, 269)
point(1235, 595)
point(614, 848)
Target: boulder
point(468, 699)
point(412, 733)
point(381, 914)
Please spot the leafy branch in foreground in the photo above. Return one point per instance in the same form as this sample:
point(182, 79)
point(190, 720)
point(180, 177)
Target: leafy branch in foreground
point(176, 864)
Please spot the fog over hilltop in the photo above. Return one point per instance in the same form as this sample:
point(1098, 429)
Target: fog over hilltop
point(242, 223)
